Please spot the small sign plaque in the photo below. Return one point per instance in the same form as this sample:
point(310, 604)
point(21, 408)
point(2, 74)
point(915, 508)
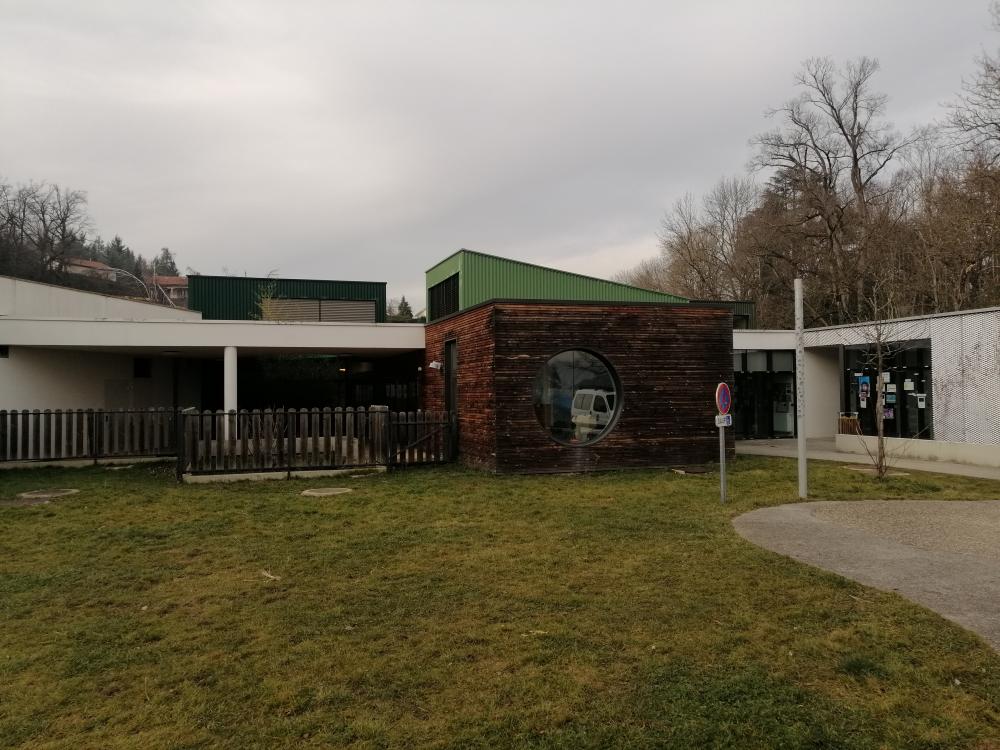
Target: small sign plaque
point(723, 420)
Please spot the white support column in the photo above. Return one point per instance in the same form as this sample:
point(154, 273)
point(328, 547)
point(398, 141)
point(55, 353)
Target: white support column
point(229, 379)
point(800, 391)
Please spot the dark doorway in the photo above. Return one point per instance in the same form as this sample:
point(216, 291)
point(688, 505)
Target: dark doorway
point(450, 376)
point(764, 394)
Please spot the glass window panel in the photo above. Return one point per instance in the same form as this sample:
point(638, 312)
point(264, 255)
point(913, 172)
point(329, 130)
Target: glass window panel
point(576, 397)
point(782, 361)
point(757, 361)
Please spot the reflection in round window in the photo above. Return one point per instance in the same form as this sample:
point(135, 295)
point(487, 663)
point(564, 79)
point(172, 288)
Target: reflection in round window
point(576, 397)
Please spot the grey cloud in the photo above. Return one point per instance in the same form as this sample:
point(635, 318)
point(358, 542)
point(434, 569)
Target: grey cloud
point(368, 140)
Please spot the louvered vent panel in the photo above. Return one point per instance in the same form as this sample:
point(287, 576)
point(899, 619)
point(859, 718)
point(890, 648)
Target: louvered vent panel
point(291, 309)
point(347, 311)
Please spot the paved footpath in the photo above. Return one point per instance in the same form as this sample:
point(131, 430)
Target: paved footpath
point(826, 450)
point(944, 555)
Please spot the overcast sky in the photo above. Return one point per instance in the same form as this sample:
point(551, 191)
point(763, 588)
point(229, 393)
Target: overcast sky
point(368, 140)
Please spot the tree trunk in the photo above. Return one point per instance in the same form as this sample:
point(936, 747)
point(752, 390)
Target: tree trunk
point(880, 463)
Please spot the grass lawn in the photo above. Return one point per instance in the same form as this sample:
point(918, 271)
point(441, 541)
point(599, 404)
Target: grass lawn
point(446, 608)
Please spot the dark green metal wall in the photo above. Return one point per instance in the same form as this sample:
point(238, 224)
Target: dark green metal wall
point(237, 297)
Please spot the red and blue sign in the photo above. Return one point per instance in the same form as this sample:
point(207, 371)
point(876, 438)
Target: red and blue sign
point(723, 398)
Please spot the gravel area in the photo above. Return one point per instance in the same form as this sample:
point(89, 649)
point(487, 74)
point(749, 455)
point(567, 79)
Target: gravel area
point(944, 555)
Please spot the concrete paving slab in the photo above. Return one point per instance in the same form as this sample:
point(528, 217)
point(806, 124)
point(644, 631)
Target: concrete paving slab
point(943, 555)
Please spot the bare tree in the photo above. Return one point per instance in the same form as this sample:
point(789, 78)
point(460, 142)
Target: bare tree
point(40, 226)
point(975, 116)
point(701, 249)
point(829, 154)
point(652, 273)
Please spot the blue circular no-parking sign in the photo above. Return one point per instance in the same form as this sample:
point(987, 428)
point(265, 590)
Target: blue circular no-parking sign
point(723, 398)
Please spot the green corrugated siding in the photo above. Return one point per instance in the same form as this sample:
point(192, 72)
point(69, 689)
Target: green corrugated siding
point(237, 297)
point(450, 265)
point(484, 277)
point(746, 308)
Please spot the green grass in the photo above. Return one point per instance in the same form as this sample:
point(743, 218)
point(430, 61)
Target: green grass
point(451, 609)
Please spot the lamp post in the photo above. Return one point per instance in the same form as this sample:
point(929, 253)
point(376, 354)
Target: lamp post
point(800, 390)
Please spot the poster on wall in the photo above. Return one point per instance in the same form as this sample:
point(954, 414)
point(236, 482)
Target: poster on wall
point(890, 398)
point(864, 388)
point(889, 413)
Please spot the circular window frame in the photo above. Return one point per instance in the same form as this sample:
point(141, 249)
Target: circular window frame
point(619, 396)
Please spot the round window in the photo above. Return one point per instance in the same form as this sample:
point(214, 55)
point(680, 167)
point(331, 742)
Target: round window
point(577, 397)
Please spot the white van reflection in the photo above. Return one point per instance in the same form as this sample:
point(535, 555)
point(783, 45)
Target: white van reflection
point(591, 411)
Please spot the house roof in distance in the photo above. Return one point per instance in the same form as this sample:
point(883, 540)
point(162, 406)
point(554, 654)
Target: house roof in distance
point(87, 263)
point(169, 280)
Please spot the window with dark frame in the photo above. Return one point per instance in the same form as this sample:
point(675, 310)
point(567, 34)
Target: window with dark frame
point(442, 298)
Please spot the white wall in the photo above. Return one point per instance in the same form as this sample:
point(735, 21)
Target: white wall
point(976, 454)
point(744, 338)
point(29, 299)
point(55, 379)
point(823, 385)
point(212, 336)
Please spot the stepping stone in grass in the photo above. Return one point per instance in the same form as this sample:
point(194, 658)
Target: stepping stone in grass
point(325, 491)
point(38, 497)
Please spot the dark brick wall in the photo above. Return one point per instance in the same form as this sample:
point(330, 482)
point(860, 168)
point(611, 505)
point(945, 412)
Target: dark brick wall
point(668, 359)
point(473, 333)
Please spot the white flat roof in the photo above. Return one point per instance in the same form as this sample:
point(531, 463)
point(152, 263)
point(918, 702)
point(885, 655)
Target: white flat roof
point(209, 336)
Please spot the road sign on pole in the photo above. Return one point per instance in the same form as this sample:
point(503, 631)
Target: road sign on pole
point(723, 398)
point(723, 402)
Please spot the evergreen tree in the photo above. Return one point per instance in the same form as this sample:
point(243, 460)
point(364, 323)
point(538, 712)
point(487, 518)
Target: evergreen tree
point(404, 313)
point(164, 264)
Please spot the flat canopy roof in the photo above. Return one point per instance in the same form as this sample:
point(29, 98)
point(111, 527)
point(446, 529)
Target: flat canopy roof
point(196, 337)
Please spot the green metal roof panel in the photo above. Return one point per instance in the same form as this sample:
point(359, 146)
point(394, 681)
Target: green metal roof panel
point(445, 268)
point(238, 297)
point(484, 277)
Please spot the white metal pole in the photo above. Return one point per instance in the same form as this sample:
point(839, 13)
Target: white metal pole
point(722, 465)
point(229, 382)
point(800, 390)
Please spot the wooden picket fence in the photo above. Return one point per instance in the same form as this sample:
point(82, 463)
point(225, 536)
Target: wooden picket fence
point(79, 434)
point(218, 442)
point(848, 424)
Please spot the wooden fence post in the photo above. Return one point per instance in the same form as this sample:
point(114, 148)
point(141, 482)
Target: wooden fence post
point(181, 448)
point(291, 417)
point(349, 435)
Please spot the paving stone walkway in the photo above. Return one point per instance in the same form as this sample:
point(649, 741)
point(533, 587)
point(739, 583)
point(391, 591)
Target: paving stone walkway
point(944, 555)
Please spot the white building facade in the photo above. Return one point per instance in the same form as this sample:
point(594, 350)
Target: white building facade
point(941, 378)
point(67, 349)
